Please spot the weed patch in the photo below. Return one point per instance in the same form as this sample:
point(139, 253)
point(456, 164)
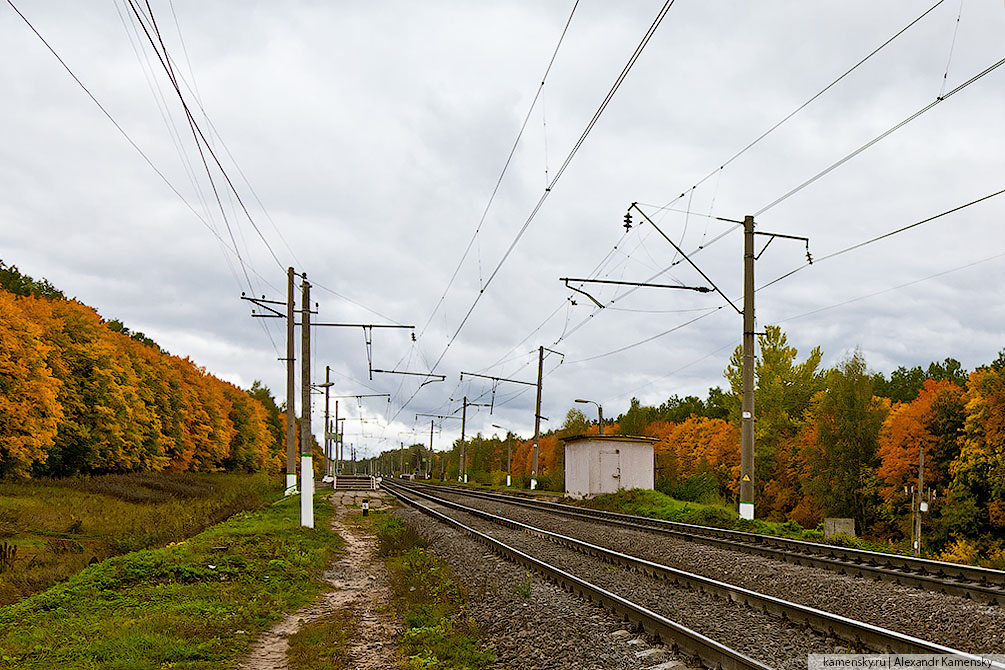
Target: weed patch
point(438, 633)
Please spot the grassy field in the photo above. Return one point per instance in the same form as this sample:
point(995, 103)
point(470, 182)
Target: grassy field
point(51, 529)
point(193, 604)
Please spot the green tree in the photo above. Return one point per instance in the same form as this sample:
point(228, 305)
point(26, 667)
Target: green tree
point(635, 420)
point(575, 423)
point(844, 458)
point(783, 392)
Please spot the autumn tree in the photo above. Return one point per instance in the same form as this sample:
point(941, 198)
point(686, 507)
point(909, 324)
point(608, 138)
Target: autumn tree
point(29, 410)
point(977, 489)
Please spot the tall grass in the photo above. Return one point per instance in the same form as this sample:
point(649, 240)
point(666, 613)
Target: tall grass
point(60, 526)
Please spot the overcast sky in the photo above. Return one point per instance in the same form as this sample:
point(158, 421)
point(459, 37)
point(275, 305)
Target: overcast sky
point(366, 140)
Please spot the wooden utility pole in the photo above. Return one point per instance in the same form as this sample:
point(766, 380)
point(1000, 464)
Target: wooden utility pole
point(291, 412)
point(537, 419)
point(328, 442)
point(918, 501)
point(306, 451)
point(462, 470)
point(747, 403)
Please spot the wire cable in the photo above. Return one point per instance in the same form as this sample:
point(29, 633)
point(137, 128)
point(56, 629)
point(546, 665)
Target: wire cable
point(558, 175)
point(880, 137)
point(893, 288)
point(505, 167)
point(884, 236)
point(811, 100)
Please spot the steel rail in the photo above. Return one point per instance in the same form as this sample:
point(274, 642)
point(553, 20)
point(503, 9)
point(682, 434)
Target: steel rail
point(680, 638)
point(966, 581)
point(859, 634)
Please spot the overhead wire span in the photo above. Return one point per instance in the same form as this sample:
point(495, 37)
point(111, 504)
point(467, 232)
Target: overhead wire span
point(893, 288)
point(675, 371)
point(505, 168)
point(200, 137)
point(817, 261)
point(558, 175)
point(808, 102)
point(880, 137)
point(711, 311)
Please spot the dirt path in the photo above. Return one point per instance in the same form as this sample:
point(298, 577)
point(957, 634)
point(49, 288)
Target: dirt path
point(359, 581)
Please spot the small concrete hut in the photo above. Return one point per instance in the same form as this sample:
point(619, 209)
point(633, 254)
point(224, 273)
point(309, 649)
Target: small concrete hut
point(596, 464)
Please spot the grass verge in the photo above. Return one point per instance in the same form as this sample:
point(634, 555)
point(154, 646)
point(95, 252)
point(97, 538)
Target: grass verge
point(656, 505)
point(192, 604)
point(57, 527)
point(438, 633)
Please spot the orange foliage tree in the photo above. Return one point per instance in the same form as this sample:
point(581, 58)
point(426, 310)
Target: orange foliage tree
point(80, 395)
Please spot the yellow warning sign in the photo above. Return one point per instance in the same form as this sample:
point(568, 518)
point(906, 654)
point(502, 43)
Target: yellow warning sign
point(746, 478)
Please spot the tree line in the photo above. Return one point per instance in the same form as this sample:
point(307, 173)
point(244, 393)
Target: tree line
point(841, 442)
point(80, 395)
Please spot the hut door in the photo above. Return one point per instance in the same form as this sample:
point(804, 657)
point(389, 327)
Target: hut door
point(610, 470)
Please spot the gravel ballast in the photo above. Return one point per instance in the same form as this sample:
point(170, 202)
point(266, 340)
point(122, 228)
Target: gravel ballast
point(530, 623)
point(948, 620)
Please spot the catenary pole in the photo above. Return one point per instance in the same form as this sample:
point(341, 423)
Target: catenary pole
point(306, 452)
point(291, 413)
point(747, 403)
point(462, 472)
point(537, 419)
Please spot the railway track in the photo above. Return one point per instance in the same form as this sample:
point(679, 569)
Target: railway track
point(789, 619)
point(976, 583)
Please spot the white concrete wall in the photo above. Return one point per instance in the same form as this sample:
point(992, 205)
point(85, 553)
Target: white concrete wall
point(577, 469)
point(594, 466)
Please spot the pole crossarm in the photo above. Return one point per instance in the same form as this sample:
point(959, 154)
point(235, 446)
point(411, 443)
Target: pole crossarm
point(666, 237)
point(362, 325)
point(579, 290)
point(771, 238)
point(436, 416)
point(264, 304)
point(430, 378)
point(699, 289)
point(496, 379)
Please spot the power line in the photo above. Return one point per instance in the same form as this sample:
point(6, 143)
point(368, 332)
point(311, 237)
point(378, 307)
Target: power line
point(163, 56)
point(880, 137)
point(711, 311)
point(808, 102)
point(558, 175)
point(884, 236)
point(502, 174)
point(893, 288)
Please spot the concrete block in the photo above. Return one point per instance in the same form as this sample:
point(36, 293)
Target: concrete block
point(834, 525)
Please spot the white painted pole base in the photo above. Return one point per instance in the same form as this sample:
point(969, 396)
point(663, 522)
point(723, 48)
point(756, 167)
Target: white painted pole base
point(291, 483)
point(746, 510)
point(533, 484)
point(465, 478)
point(509, 481)
point(306, 491)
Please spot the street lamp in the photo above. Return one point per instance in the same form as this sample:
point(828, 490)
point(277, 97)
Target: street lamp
point(509, 458)
point(600, 413)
